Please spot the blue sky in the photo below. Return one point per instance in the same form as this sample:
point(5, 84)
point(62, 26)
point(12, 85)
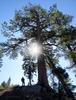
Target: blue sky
point(7, 8)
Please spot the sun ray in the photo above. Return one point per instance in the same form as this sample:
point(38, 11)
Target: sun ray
point(34, 49)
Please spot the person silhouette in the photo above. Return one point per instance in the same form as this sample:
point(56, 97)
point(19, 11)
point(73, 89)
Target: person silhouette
point(23, 81)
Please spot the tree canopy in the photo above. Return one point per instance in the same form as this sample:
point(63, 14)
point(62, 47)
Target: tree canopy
point(52, 30)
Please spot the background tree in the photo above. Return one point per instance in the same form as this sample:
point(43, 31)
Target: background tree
point(49, 29)
point(9, 82)
point(3, 84)
point(6, 84)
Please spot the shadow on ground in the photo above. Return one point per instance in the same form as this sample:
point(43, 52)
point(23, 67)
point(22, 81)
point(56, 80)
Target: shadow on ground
point(35, 92)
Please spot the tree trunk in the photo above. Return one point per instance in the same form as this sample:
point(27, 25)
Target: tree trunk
point(65, 86)
point(59, 76)
point(42, 75)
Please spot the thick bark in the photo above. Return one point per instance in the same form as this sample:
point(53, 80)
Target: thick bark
point(42, 75)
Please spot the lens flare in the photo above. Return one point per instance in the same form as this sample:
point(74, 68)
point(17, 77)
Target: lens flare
point(35, 49)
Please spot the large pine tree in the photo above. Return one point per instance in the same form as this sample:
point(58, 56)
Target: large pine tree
point(49, 28)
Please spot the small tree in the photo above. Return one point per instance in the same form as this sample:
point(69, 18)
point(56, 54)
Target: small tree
point(3, 84)
point(8, 82)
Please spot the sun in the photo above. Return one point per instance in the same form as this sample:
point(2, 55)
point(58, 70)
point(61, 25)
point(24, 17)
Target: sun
point(34, 49)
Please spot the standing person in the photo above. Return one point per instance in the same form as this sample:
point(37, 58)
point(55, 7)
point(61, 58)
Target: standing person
point(23, 81)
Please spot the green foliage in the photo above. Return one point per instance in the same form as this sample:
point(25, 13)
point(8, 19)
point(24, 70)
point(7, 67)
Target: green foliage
point(51, 28)
point(9, 82)
point(3, 84)
point(6, 84)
